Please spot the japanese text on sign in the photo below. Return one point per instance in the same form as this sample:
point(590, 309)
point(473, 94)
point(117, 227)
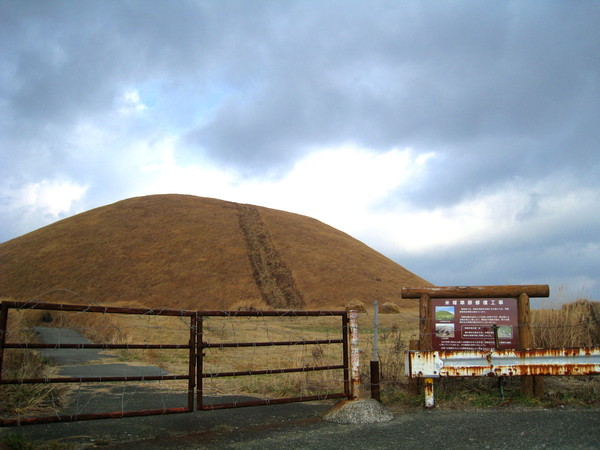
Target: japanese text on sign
point(468, 324)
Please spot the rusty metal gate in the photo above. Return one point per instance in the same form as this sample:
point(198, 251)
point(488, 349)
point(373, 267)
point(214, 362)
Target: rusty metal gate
point(204, 346)
point(189, 376)
point(196, 353)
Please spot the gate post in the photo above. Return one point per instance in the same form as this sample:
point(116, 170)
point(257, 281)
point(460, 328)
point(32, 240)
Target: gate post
point(354, 354)
point(533, 385)
point(375, 370)
point(192, 362)
point(199, 359)
point(3, 331)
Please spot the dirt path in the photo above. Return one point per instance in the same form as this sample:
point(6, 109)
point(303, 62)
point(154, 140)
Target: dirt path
point(274, 279)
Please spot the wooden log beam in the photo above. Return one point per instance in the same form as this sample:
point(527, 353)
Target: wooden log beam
point(532, 290)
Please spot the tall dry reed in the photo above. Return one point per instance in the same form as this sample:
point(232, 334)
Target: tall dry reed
point(574, 325)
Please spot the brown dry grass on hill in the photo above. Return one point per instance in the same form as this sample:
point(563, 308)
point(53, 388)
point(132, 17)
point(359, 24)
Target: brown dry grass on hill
point(179, 251)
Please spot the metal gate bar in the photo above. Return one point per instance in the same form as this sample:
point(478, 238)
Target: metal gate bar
point(5, 306)
point(207, 345)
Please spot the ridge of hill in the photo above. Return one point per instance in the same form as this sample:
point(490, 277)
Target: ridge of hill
point(182, 251)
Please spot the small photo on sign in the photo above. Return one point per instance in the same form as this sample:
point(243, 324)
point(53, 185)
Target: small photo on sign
point(444, 313)
point(505, 332)
point(444, 330)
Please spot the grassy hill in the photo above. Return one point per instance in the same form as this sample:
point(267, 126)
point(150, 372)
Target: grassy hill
point(181, 251)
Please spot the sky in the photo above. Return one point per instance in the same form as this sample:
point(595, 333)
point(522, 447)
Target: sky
point(459, 138)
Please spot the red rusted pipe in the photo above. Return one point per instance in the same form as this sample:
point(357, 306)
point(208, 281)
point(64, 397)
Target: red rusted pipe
point(93, 416)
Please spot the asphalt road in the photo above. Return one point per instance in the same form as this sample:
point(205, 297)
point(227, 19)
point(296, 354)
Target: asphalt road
point(76, 362)
point(88, 398)
point(301, 426)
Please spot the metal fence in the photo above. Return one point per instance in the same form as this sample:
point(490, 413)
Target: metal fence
point(196, 348)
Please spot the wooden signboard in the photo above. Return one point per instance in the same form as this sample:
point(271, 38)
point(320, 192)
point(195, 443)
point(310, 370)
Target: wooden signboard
point(467, 329)
point(474, 324)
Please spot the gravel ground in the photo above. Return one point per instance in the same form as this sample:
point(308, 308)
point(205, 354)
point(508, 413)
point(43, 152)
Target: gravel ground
point(301, 426)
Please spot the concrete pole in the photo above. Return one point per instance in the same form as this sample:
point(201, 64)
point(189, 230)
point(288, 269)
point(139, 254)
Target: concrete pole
point(354, 354)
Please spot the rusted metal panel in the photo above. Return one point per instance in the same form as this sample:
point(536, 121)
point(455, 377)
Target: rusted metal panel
point(291, 313)
point(100, 309)
point(100, 346)
point(346, 354)
point(192, 362)
point(270, 371)
point(93, 416)
point(271, 344)
point(504, 363)
point(273, 401)
point(3, 331)
point(93, 379)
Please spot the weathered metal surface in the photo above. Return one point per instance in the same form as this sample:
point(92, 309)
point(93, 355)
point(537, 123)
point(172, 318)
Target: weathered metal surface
point(199, 361)
point(99, 309)
point(274, 401)
point(291, 313)
point(505, 363)
point(192, 362)
point(92, 379)
point(80, 417)
point(100, 346)
point(270, 371)
point(375, 380)
point(3, 330)
point(346, 354)
point(272, 344)
point(532, 290)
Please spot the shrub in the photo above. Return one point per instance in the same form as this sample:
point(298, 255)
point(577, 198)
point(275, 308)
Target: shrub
point(574, 325)
point(389, 308)
point(356, 305)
